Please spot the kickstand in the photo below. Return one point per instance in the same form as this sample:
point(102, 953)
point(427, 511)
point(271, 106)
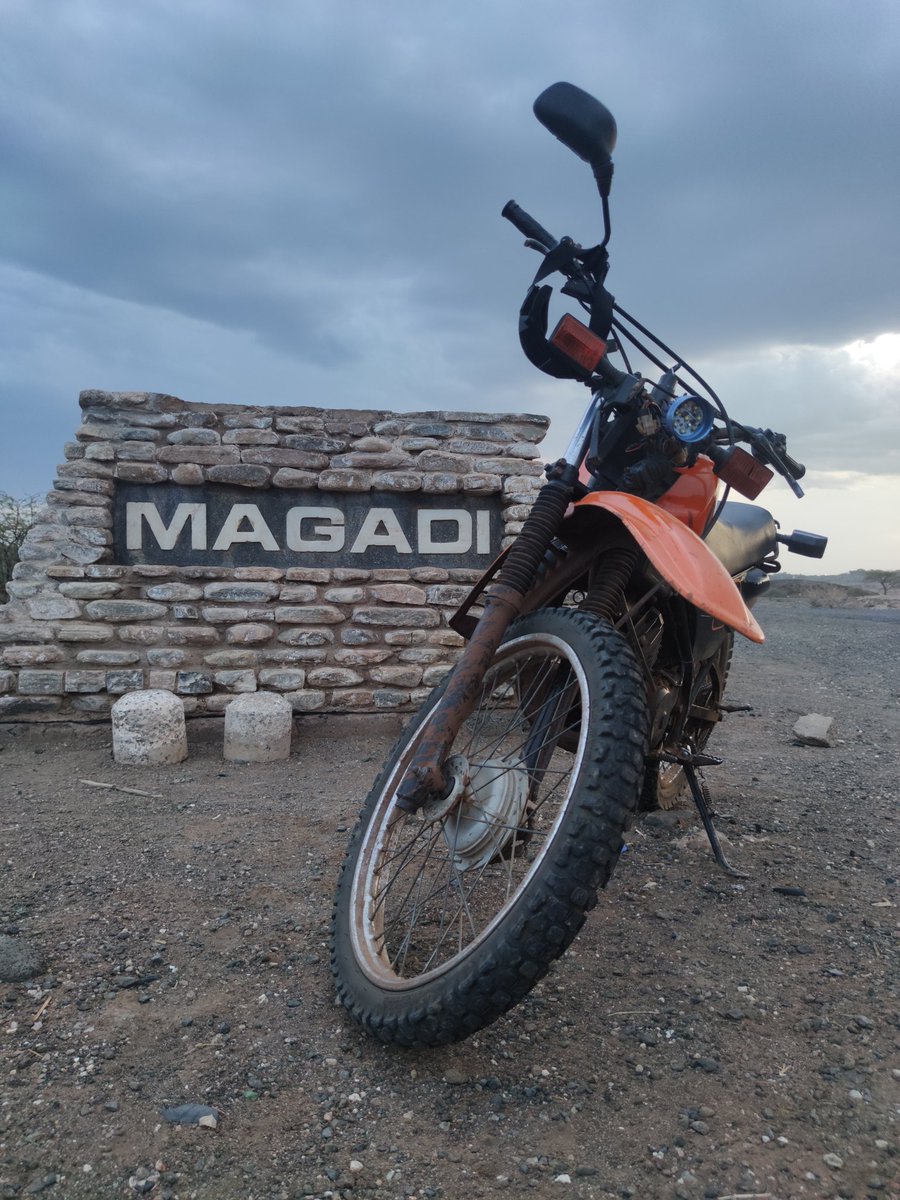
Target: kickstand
point(697, 791)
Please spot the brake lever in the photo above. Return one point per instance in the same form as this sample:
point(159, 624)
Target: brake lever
point(790, 480)
point(561, 258)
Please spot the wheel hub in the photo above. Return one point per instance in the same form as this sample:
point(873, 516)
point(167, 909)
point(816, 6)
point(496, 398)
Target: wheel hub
point(489, 809)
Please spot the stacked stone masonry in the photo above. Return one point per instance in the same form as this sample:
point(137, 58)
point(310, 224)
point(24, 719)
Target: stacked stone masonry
point(80, 630)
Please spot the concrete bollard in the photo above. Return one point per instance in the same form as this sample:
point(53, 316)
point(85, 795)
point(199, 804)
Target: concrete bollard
point(258, 728)
point(148, 728)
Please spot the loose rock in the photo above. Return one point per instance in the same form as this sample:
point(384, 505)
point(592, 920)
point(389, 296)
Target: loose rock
point(814, 730)
point(19, 959)
point(192, 1114)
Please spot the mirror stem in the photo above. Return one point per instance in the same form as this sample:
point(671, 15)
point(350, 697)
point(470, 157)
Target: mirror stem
point(606, 224)
point(603, 173)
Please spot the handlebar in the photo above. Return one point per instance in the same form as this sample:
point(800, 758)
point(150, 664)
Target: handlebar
point(527, 225)
point(771, 448)
point(768, 447)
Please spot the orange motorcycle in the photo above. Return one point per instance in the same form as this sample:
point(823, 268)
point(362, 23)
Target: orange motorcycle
point(598, 646)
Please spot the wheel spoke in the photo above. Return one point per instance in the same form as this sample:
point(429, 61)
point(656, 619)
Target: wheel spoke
point(533, 688)
point(416, 904)
point(463, 904)
point(408, 851)
point(378, 897)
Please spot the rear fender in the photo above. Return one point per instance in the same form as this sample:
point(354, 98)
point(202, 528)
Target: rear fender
point(677, 553)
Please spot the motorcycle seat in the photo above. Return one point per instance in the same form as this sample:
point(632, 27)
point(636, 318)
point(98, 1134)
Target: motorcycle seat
point(742, 537)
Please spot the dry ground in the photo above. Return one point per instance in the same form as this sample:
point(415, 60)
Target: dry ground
point(704, 1037)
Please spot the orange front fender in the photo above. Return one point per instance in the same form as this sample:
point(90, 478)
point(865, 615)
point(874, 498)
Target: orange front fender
point(683, 560)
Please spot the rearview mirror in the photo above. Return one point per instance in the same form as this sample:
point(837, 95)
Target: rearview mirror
point(580, 122)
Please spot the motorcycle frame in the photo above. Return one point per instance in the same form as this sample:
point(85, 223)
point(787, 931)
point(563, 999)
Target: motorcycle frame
point(690, 569)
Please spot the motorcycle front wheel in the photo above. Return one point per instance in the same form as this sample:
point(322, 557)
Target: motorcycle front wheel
point(446, 918)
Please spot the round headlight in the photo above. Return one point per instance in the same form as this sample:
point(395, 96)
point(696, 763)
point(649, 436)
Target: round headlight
point(689, 418)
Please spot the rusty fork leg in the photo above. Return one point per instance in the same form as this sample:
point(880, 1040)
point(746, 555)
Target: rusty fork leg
point(425, 778)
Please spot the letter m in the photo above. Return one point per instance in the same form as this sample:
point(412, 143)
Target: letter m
point(166, 535)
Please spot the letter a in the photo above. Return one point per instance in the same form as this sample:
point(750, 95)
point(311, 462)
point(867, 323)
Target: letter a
point(258, 531)
point(393, 535)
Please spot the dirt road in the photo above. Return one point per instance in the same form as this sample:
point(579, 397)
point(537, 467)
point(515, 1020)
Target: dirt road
point(704, 1037)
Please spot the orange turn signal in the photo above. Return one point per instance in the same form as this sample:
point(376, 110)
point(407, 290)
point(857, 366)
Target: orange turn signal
point(742, 471)
point(577, 342)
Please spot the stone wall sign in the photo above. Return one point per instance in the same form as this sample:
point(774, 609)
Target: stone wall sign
point(212, 550)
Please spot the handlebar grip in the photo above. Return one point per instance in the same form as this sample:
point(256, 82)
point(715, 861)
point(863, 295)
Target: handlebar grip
point(797, 469)
point(527, 225)
point(779, 444)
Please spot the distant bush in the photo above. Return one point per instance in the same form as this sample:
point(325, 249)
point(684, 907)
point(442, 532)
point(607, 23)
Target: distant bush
point(815, 592)
point(16, 518)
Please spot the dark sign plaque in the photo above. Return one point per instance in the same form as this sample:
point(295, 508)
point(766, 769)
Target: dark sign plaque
point(220, 526)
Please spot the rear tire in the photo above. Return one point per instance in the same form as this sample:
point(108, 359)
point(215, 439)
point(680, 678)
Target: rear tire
point(446, 918)
point(665, 783)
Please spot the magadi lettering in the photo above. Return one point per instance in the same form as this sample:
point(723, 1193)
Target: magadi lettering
point(225, 526)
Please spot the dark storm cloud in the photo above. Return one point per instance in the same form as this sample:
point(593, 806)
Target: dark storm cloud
point(771, 212)
point(190, 160)
point(326, 179)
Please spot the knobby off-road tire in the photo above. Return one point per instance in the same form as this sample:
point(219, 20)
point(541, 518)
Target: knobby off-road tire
point(446, 918)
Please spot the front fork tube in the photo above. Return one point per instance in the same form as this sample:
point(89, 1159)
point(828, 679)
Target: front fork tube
point(425, 777)
point(548, 725)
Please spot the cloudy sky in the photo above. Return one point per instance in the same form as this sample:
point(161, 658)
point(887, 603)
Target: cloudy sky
point(297, 202)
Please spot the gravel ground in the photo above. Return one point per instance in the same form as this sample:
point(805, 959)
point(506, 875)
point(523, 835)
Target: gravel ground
point(704, 1037)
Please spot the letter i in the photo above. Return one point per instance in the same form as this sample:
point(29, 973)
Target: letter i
point(482, 532)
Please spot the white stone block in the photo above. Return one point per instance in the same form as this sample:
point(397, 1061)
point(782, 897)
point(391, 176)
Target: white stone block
point(258, 728)
point(148, 728)
point(814, 729)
